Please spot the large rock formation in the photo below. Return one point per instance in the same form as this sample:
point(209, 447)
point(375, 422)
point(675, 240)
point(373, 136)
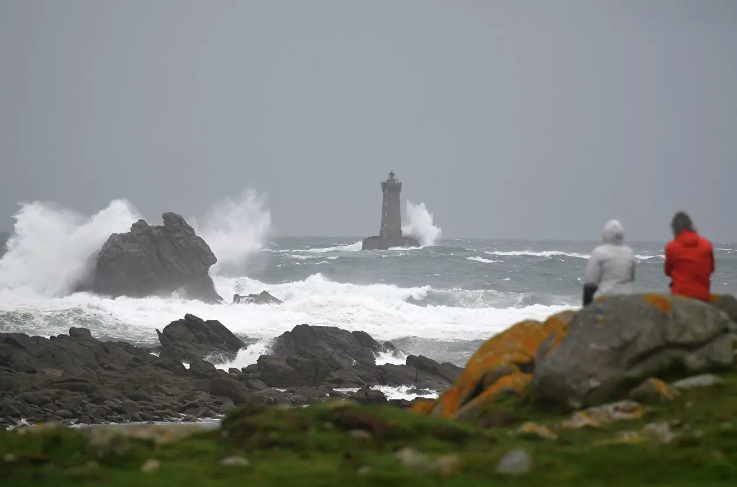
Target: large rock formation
point(619, 341)
point(502, 365)
point(155, 261)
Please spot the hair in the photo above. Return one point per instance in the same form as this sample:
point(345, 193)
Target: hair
point(681, 221)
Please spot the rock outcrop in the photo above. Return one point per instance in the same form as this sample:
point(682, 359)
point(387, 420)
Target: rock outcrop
point(502, 365)
point(194, 338)
point(328, 356)
point(77, 377)
point(155, 261)
point(262, 298)
point(617, 342)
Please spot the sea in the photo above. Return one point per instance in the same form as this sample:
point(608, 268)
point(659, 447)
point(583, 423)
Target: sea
point(441, 300)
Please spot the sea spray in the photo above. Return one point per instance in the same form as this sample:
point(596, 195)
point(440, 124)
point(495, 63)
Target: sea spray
point(420, 224)
point(53, 248)
point(234, 229)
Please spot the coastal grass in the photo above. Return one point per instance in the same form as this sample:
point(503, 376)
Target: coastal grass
point(347, 444)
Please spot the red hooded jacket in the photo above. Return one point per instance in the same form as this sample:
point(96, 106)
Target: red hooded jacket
point(689, 261)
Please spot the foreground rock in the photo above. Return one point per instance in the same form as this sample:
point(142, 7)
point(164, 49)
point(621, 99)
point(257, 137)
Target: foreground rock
point(155, 261)
point(616, 343)
point(77, 378)
point(502, 366)
point(194, 338)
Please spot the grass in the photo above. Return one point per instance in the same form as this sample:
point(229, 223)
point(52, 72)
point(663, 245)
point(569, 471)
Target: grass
point(320, 446)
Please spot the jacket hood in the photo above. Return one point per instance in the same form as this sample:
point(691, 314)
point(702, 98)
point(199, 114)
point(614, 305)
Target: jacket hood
point(613, 232)
point(688, 238)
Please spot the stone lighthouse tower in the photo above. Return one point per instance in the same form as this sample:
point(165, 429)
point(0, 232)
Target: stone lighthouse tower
point(390, 234)
point(391, 213)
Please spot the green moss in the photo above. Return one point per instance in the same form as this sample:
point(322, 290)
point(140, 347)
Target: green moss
point(330, 444)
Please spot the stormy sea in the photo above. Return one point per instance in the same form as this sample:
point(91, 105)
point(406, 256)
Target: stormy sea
point(440, 300)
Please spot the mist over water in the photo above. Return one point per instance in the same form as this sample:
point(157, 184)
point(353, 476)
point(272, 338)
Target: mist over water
point(234, 229)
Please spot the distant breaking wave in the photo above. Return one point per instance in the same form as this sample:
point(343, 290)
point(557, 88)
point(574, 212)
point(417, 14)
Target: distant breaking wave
point(530, 253)
point(554, 253)
point(421, 225)
point(482, 260)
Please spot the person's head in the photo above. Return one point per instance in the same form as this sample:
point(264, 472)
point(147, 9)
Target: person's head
point(681, 221)
point(613, 232)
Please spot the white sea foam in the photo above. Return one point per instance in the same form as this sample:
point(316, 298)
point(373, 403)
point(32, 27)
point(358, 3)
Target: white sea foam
point(391, 392)
point(420, 224)
point(52, 248)
point(396, 358)
point(543, 253)
point(378, 309)
point(482, 260)
point(248, 355)
point(648, 257)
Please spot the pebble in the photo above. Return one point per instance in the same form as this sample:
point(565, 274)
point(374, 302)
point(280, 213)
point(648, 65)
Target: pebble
point(514, 462)
point(235, 461)
point(150, 466)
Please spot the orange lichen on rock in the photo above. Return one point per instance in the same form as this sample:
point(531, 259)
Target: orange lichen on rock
point(714, 298)
point(515, 383)
point(502, 364)
point(423, 406)
point(663, 303)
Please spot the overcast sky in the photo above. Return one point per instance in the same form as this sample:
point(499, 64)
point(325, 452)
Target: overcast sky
point(509, 119)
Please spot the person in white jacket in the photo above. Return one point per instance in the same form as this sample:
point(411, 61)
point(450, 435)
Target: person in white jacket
point(611, 267)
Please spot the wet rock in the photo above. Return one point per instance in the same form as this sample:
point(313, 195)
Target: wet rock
point(35, 398)
point(193, 337)
point(155, 261)
point(79, 333)
point(229, 388)
point(262, 298)
point(366, 395)
point(63, 414)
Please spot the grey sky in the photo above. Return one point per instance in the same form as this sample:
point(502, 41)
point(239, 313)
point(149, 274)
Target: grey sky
point(509, 119)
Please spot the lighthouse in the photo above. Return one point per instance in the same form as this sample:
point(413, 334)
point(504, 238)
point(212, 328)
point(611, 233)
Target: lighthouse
point(390, 233)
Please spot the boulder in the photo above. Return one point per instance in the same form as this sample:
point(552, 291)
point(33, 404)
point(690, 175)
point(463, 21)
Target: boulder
point(262, 298)
point(155, 261)
point(193, 337)
point(502, 365)
point(343, 346)
point(617, 342)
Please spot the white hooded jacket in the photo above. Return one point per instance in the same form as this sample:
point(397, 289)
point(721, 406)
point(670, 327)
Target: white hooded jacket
point(611, 267)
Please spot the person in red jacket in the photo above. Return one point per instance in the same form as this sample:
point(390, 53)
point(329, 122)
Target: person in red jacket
point(689, 260)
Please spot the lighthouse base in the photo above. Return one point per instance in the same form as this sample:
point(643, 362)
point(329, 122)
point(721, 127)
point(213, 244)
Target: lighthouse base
point(378, 243)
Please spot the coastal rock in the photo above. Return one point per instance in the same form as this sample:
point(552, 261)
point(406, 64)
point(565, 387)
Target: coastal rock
point(320, 355)
point(623, 340)
point(262, 298)
point(155, 261)
point(328, 342)
point(502, 365)
point(193, 337)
